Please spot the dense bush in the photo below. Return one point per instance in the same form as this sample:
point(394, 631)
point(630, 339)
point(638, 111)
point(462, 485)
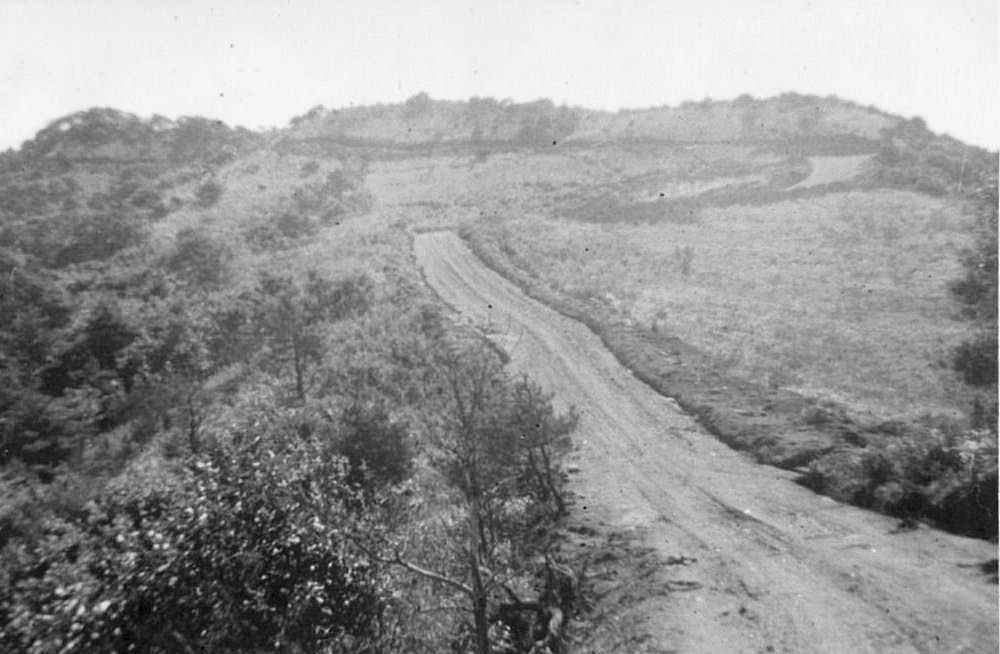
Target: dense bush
point(208, 194)
point(96, 237)
point(950, 478)
point(976, 360)
point(377, 449)
point(246, 553)
point(198, 258)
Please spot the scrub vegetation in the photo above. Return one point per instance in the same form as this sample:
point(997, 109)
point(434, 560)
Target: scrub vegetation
point(233, 417)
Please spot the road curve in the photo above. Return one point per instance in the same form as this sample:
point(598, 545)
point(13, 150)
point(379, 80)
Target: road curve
point(768, 565)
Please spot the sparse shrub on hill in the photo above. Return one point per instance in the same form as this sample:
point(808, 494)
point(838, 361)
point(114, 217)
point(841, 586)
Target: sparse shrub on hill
point(309, 168)
point(264, 237)
point(208, 194)
point(294, 225)
point(198, 258)
point(151, 201)
point(333, 215)
point(417, 105)
point(685, 258)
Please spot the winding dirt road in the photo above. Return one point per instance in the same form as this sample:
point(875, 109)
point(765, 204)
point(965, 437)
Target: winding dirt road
point(764, 564)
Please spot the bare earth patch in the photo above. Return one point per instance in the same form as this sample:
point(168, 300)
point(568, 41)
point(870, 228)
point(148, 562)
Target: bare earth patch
point(830, 170)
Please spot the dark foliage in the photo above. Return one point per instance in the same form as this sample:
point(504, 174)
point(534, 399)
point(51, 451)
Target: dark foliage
point(976, 360)
point(950, 479)
point(208, 194)
point(198, 258)
point(289, 316)
point(377, 449)
point(247, 554)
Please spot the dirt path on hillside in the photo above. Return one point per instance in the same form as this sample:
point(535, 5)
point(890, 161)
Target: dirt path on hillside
point(751, 562)
point(829, 170)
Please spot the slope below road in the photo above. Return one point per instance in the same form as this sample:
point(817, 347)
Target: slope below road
point(767, 565)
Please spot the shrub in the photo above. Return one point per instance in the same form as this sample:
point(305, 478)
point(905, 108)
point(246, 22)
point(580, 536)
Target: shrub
point(685, 257)
point(97, 237)
point(309, 168)
point(197, 257)
point(376, 447)
point(208, 194)
point(248, 554)
point(949, 478)
point(264, 237)
point(976, 360)
point(295, 225)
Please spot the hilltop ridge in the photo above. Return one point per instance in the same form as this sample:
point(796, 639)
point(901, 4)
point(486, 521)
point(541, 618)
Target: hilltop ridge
point(421, 119)
point(908, 153)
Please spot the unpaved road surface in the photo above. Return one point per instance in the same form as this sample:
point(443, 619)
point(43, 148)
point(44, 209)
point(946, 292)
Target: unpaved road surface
point(751, 562)
point(829, 170)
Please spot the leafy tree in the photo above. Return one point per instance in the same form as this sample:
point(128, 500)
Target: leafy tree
point(96, 347)
point(290, 317)
point(496, 444)
point(167, 365)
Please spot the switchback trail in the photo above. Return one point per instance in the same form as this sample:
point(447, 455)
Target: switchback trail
point(751, 562)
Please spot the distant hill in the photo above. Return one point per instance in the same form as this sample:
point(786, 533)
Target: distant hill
point(421, 119)
point(909, 155)
point(110, 135)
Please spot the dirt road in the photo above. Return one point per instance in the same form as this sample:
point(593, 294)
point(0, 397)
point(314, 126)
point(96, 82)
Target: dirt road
point(830, 170)
point(751, 562)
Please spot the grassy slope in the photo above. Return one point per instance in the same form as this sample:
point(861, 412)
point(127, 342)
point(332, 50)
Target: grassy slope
point(806, 320)
point(844, 295)
point(841, 295)
point(808, 327)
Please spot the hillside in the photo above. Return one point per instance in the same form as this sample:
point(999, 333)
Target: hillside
point(789, 117)
point(192, 315)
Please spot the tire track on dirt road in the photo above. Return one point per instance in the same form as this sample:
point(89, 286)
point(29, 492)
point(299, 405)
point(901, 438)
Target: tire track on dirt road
point(773, 567)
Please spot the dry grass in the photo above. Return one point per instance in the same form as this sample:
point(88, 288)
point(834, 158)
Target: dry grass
point(843, 296)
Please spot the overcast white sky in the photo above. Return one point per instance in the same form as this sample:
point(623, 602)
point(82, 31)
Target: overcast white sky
point(260, 62)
